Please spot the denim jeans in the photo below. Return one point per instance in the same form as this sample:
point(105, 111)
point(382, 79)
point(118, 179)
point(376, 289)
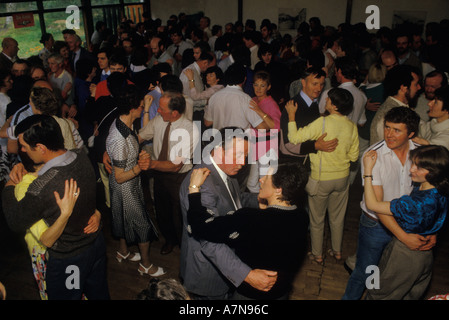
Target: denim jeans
point(70, 278)
point(373, 238)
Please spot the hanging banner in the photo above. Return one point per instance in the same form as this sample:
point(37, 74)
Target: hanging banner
point(23, 20)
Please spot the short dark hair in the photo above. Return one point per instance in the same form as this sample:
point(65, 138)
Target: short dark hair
point(218, 73)
point(235, 74)
point(215, 29)
point(442, 94)
point(115, 82)
point(4, 73)
point(206, 56)
point(406, 116)
point(41, 129)
point(396, 77)
point(99, 25)
point(292, 177)
point(265, 48)
point(435, 73)
point(203, 45)
point(348, 67)
point(163, 67)
point(253, 35)
point(315, 71)
point(129, 98)
point(342, 99)
point(435, 159)
point(170, 82)
point(118, 59)
point(84, 67)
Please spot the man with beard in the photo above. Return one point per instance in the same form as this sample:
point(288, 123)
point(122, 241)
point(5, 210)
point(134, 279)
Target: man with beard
point(404, 52)
point(160, 54)
point(433, 81)
point(401, 87)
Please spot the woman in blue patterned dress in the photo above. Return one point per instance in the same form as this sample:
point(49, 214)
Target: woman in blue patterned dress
point(131, 221)
point(406, 273)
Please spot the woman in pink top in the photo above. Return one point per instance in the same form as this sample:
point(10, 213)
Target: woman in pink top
point(266, 147)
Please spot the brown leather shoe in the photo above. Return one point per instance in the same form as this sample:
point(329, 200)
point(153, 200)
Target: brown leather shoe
point(167, 248)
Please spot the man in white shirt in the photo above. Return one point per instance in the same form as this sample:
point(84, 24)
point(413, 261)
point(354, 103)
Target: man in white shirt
point(391, 179)
point(204, 25)
point(170, 165)
point(198, 67)
point(346, 73)
point(230, 106)
point(252, 40)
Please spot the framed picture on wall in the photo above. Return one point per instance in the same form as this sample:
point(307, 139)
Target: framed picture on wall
point(290, 19)
point(409, 17)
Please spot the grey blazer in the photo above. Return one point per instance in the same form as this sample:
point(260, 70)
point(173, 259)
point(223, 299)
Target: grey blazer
point(206, 268)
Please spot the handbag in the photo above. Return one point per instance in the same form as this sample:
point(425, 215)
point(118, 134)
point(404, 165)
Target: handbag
point(312, 184)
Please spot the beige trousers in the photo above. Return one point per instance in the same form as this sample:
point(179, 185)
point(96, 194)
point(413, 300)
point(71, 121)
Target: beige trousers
point(332, 196)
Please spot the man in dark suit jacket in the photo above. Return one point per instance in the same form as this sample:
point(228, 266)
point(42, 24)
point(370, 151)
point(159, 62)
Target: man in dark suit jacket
point(10, 47)
point(210, 270)
point(312, 82)
point(76, 51)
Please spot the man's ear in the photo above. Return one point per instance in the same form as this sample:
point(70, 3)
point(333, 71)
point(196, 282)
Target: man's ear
point(42, 148)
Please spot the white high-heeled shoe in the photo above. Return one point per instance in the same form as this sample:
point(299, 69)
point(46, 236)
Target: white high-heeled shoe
point(120, 257)
point(160, 271)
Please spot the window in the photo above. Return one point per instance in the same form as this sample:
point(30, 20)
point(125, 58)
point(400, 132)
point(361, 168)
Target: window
point(27, 37)
point(55, 22)
point(60, 4)
point(18, 6)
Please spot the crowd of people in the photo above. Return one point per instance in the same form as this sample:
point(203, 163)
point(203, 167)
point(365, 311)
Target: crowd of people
point(283, 124)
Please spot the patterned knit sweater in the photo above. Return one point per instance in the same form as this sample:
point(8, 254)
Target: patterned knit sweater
point(40, 203)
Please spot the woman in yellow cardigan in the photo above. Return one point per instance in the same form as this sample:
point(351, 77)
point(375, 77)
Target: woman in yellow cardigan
point(328, 183)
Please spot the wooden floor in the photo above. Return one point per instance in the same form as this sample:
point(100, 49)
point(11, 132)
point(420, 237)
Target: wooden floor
point(313, 282)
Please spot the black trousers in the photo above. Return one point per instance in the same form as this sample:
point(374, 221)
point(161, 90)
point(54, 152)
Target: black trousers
point(167, 205)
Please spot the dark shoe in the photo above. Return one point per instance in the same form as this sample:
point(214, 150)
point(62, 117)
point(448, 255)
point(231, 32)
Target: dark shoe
point(167, 248)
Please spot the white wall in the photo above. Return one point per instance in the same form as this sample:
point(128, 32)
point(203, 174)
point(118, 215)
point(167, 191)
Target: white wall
point(330, 12)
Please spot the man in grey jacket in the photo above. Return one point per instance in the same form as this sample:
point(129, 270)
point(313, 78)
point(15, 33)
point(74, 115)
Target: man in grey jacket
point(211, 270)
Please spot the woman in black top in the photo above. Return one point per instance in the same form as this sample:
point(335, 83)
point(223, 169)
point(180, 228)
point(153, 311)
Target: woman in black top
point(271, 237)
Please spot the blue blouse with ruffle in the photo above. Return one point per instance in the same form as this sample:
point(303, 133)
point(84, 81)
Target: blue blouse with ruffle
point(422, 212)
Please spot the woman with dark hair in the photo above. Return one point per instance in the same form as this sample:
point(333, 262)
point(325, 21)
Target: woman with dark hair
point(131, 221)
point(271, 237)
point(48, 42)
point(213, 80)
point(406, 273)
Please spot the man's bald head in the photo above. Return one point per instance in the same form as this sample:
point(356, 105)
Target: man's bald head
point(389, 59)
point(10, 46)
